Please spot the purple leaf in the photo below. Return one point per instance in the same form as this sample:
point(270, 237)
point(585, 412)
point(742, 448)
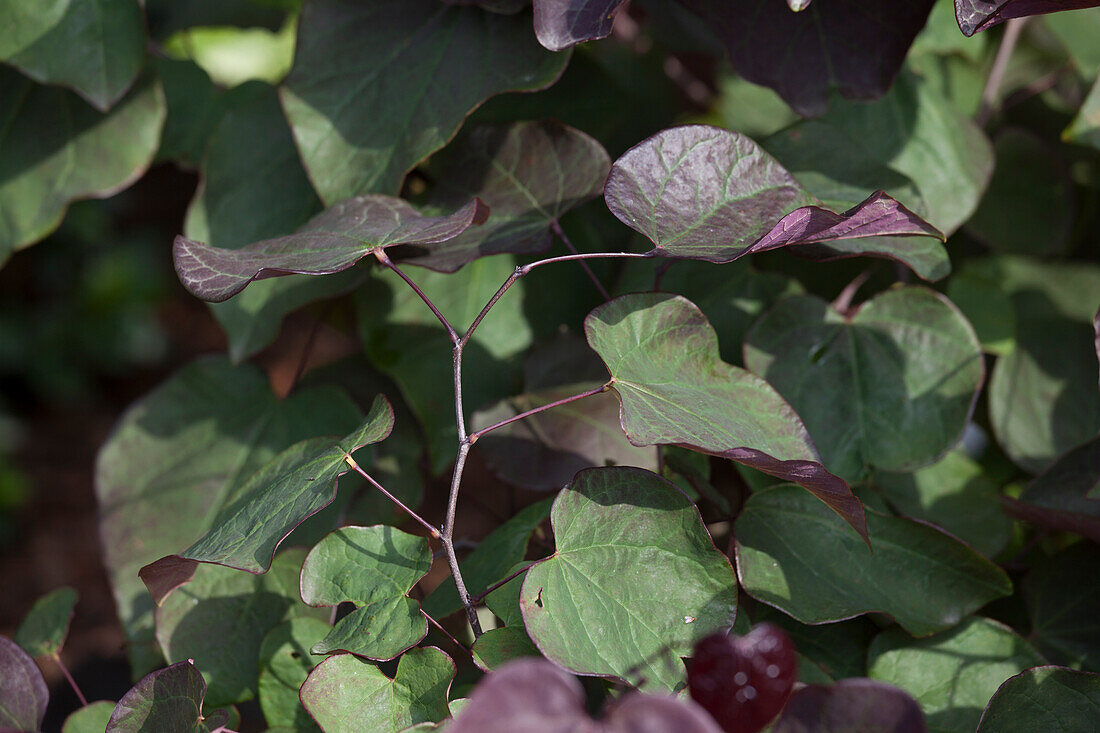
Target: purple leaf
point(332, 241)
point(854, 46)
point(664, 188)
point(169, 699)
point(536, 696)
point(979, 15)
point(23, 692)
point(560, 24)
point(527, 173)
point(851, 704)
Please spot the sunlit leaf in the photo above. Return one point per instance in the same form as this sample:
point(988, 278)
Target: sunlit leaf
point(374, 568)
point(46, 625)
point(560, 24)
point(979, 15)
point(95, 47)
point(890, 387)
point(330, 242)
point(169, 699)
point(92, 718)
point(180, 452)
point(927, 580)
point(590, 607)
point(674, 388)
point(377, 87)
point(664, 187)
point(260, 513)
point(953, 674)
point(55, 148)
point(344, 694)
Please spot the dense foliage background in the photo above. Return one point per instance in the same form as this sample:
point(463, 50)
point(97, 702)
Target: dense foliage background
point(778, 283)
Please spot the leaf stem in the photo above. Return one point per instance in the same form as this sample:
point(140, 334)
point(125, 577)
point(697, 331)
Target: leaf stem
point(510, 577)
point(446, 633)
point(355, 466)
point(1011, 36)
point(72, 683)
point(387, 262)
point(535, 410)
point(587, 270)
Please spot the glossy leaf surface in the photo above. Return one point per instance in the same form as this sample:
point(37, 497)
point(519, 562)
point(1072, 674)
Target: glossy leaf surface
point(853, 47)
point(560, 24)
point(979, 15)
point(255, 518)
point(376, 88)
point(285, 662)
point(95, 47)
point(344, 694)
point(853, 704)
point(890, 387)
point(56, 148)
point(46, 625)
point(1044, 698)
point(674, 388)
point(23, 691)
point(952, 674)
point(663, 188)
point(330, 242)
point(534, 695)
point(225, 609)
point(373, 568)
point(180, 452)
point(620, 532)
point(527, 173)
point(169, 699)
point(830, 575)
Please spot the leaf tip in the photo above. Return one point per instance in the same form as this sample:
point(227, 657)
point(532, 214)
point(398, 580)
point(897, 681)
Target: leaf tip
point(166, 574)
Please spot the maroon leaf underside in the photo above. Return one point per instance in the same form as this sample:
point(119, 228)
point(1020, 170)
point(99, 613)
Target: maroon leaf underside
point(166, 574)
point(851, 704)
point(854, 46)
point(333, 241)
point(878, 215)
point(560, 24)
point(536, 695)
point(974, 16)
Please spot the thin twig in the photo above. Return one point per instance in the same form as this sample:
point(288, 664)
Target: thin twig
point(512, 576)
point(355, 466)
point(584, 265)
point(387, 262)
point(448, 538)
point(69, 677)
point(997, 71)
point(446, 633)
point(536, 410)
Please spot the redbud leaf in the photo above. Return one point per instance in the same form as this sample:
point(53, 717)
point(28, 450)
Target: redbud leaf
point(169, 699)
point(1044, 698)
point(560, 24)
point(974, 16)
point(46, 625)
point(23, 691)
point(851, 704)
